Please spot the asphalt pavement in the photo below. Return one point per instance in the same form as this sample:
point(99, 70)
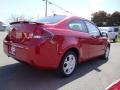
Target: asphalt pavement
point(96, 74)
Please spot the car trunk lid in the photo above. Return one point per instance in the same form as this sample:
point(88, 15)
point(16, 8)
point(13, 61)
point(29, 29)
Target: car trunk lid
point(23, 30)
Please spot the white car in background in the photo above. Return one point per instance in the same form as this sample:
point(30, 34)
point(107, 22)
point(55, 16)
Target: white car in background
point(112, 32)
point(3, 28)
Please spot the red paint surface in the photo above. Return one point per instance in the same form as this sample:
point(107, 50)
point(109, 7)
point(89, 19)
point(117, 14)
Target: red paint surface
point(114, 86)
point(46, 52)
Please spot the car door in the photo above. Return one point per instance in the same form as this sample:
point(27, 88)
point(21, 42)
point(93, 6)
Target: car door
point(79, 26)
point(96, 41)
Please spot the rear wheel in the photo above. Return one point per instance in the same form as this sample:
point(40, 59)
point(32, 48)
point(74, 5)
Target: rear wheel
point(68, 64)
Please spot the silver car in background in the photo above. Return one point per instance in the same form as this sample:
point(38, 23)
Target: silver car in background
point(3, 28)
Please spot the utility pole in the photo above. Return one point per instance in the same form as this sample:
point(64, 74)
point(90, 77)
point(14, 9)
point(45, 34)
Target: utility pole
point(46, 2)
point(46, 8)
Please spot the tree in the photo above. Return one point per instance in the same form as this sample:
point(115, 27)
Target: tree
point(15, 18)
point(109, 21)
point(101, 18)
point(115, 17)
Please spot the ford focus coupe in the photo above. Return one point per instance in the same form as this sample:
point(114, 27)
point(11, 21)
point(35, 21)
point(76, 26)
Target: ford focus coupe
point(55, 42)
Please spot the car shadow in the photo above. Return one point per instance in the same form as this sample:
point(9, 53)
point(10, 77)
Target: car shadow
point(23, 77)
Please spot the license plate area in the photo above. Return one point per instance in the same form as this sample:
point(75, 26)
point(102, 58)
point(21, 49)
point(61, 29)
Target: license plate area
point(12, 50)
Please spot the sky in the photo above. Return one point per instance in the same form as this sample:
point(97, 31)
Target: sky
point(36, 8)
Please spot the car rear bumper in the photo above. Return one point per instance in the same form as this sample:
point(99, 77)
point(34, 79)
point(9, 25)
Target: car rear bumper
point(37, 56)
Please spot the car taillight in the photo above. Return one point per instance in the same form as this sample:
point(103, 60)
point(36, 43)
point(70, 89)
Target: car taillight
point(37, 33)
point(42, 33)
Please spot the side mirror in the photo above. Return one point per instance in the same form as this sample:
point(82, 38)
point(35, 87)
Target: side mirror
point(104, 34)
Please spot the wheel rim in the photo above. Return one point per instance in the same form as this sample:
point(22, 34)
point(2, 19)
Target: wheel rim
point(69, 64)
point(107, 52)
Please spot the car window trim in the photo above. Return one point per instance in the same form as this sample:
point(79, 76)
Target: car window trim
point(92, 24)
point(85, 31)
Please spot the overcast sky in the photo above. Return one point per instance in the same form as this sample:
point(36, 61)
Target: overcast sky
point(36, 8)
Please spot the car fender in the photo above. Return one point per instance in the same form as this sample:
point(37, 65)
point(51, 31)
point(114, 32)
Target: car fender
point(72, 43)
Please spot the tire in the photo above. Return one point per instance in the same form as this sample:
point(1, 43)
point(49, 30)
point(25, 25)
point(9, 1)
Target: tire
point(114, 40)
point(68, 64)
point(106, 54)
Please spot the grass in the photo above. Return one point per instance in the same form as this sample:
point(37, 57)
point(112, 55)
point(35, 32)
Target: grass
point(118, 39)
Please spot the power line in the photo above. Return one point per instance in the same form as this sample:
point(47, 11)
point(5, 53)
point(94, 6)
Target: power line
point(49, 2)
point(52, 11)
point(59, 7)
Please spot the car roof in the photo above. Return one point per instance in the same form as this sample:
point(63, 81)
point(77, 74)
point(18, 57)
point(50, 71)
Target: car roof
point(77, 17)
point(67, 17)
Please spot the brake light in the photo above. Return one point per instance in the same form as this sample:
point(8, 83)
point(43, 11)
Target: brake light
point(37, 33)
point(42, 33)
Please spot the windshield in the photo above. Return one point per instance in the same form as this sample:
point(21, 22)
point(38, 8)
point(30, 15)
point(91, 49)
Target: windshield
point(50, 19)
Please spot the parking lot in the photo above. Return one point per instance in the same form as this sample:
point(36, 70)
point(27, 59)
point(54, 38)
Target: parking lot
point(93, 75)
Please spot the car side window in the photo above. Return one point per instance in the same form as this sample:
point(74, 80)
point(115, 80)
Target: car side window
point(77, 25)
point(93, 30)
point(116, 29)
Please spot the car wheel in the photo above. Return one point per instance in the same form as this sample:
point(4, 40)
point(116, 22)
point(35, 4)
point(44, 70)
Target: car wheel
point(114, 40)
point(106, 54)
point(68, 64)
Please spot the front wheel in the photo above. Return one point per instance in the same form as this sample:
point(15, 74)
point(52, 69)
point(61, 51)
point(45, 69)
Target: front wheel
point(106, 54)
point(68, 64)
point(114, 40)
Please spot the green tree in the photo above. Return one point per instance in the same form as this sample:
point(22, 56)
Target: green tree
point(115, 18)
point(100, 18)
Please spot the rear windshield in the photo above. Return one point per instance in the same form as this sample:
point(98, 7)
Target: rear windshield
point(50, 19)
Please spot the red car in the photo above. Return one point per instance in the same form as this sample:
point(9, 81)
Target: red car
point(114, 86)
point(56, 42)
